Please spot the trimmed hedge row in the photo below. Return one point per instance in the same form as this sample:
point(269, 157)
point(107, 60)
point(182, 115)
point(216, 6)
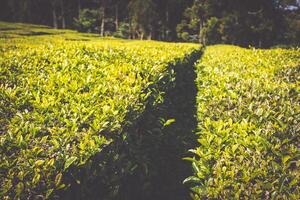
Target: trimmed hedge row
point(64, 101)
point(248, 124)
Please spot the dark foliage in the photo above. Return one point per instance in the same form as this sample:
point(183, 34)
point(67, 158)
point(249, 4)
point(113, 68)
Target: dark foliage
point(261, 23)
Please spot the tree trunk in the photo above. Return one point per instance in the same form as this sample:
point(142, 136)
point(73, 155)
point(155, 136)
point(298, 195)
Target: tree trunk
point(259, 43)
point(167, 22)
point(142, 35)
point(54, 16)
point(130, 30)
point(102, 24)
point(26, 14)
point(102, 28)
point(201, 34)
point(117, 17)
point(79, 8)
point(150, 35)
point(63, 19)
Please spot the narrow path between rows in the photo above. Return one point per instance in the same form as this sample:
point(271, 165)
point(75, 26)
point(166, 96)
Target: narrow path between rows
point(152, 152)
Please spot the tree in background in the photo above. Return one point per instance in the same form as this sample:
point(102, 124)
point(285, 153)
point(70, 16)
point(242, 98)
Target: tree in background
point(248, 22)
point(142, 14)
point(88, 21)
point(54, 13)
point(191, 27)
point(291, 13)
point(260, 23)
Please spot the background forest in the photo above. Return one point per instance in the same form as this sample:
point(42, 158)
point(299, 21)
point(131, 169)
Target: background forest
point(260, 23)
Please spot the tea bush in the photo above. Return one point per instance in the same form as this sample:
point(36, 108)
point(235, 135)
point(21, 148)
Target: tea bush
point(65, 97)
point(248, 124)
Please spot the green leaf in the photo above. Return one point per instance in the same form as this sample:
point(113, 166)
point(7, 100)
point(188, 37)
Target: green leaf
point(285, 159)
point(189, 159)
point(39, 162)
point(19, 188)
point(49, 192)
point(36, 178)
point(191, 179)
point(195, 167)
point(58, 179)
point(169, 122)
point(69, 162)
point(234, 147)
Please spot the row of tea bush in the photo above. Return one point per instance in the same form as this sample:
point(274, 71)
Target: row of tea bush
point(248, 124)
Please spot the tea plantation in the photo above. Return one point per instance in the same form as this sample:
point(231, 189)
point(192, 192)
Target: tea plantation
point(64, 99)
point(84, 117)
point(248, 124)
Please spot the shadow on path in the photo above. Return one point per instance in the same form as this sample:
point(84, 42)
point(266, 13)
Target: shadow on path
point(148, 164)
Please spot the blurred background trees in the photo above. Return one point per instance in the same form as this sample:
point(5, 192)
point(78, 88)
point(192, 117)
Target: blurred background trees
point(260, 23)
